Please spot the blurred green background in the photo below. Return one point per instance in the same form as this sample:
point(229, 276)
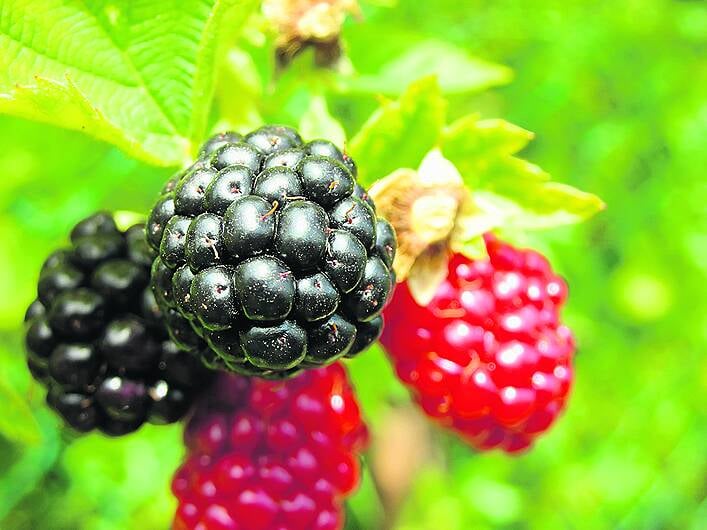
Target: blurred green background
point(616, 94)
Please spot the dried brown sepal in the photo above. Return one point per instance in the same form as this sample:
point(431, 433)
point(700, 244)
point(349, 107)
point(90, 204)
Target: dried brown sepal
point(303, 24)
point(433, 214)
point(326, 53)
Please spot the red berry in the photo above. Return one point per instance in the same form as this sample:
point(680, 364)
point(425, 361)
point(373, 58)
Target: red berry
point(255, 509)
point(265, 455)
point(329, 520)
point(488, 356)
point(232, 473)
point(299, 511)
point(216, 517)
point(187, 516)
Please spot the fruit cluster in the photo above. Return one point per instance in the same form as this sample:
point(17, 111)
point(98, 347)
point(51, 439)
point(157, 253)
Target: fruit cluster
point(273, 252)
point(95, 336)
point(488, 356)
point(266, 258)
point(268, 455)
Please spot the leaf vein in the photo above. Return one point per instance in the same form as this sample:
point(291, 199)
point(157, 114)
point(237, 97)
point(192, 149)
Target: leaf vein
point(131, 64)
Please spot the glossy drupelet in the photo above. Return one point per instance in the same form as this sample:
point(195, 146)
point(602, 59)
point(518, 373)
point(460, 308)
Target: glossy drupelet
point(95, 336)
point(272, 252)
point(271, 455)
point(489, 356)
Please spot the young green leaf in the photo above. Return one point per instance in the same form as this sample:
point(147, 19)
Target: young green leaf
point(317, 122)
point(138, 75)
point(483, 148)
point(400, 133)
point(509, 190)
point(457, 71)
point(533, 205)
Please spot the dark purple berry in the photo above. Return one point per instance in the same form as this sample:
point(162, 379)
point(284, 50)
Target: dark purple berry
point(240, 154)
point(213, 298)
point(325, 180)
point(330, 340)
point(344, 260)
point(219, 140)
point(285, 158)
point(278, 185)
point(386, 242)
point(355, 216)
point(248, 227)
point(316, 298)
point(278, 231)
point(366, 334)
point(273, 138)
point(204, 244)
point(190, 193)
point(277, 347)
point(301, 235)
point(265, 288)
point(97, 336)
point(231, 183)
point(368, 299)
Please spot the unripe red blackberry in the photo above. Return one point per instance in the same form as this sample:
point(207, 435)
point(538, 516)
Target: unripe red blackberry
point(265, 455)
point(95, 336)
point(488, 357)
point(273, 253)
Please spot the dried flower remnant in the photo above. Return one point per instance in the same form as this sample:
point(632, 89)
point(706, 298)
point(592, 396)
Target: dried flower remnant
point(433, 215)
point(312, 24)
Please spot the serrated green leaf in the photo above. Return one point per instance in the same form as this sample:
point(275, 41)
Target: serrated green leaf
point(49, 100)
point(472, 136)
point(317, 122)
point(510, 191)
point(482, 149)
point(138, 75)
point(400, 133)
point(457, 71)
point(17, 422)
point(532, 205)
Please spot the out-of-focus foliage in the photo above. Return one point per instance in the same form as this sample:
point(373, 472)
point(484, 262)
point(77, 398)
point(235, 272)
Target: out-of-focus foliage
point(615, 94)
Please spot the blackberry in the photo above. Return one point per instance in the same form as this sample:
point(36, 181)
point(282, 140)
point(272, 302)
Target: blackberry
point(273, 253)
point(95, 336)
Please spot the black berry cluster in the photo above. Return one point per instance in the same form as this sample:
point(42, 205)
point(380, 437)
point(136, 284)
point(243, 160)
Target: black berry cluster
point(273, 252)
point(96, 339)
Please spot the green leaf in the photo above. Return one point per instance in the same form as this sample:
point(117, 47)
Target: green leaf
point(17, 422)
point(509, 191)
point(125, 475)
point(239, 75)
point(456, 71)
point(532, 205)
point(400, 133)
point(33, 463)
point(137, 75)
point(317, 122)
point(483, 149)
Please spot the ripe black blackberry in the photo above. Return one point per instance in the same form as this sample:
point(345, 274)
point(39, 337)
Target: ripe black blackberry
point(273, 252)
point(95, 336)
